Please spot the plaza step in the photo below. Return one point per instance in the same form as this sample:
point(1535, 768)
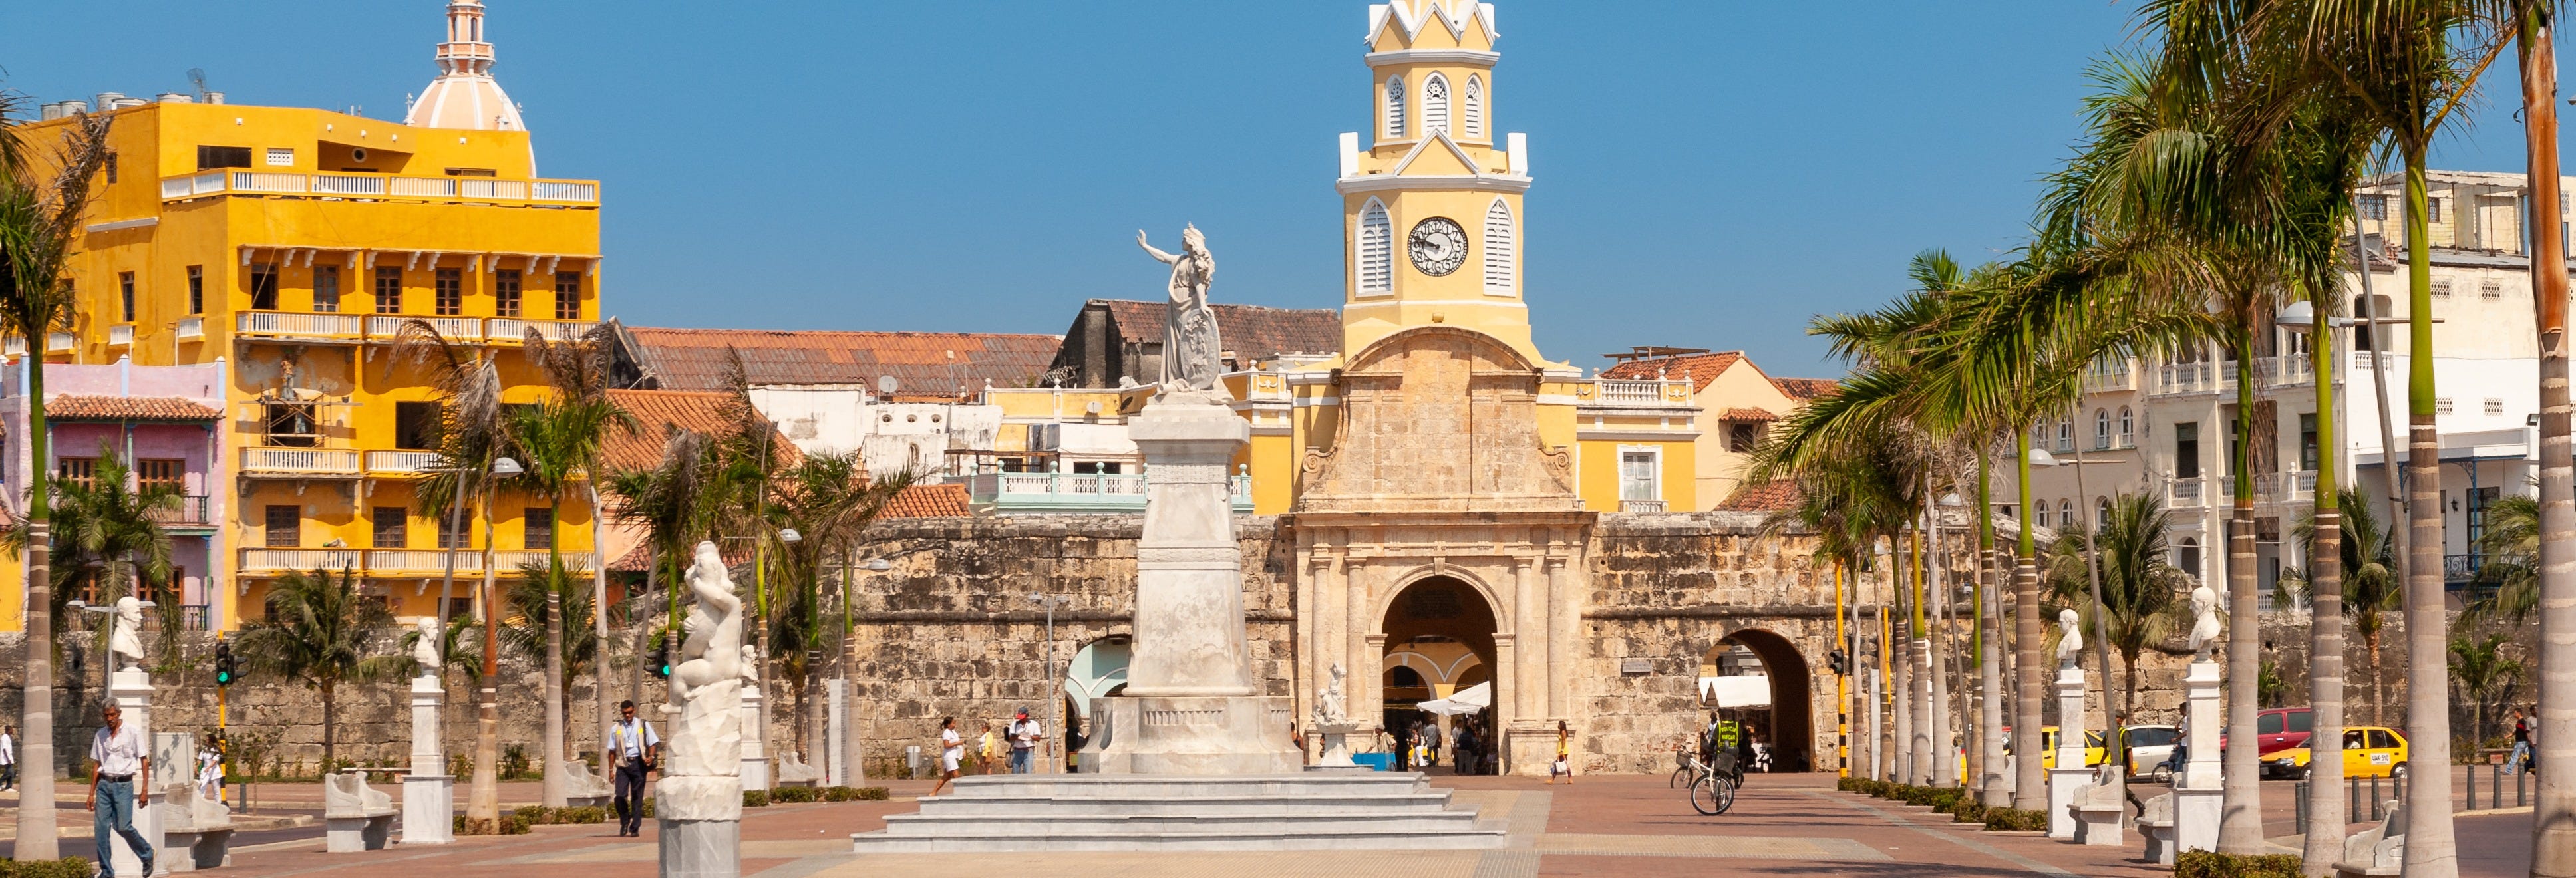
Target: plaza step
point(1091, 812)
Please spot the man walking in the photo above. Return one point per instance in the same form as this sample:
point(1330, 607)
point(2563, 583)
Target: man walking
point(8, 757)
point(118, 756)
point(632, 742)
point(2521, 757)
point(1025, 734)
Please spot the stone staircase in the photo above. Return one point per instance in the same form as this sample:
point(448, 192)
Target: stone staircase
point(1129, 812)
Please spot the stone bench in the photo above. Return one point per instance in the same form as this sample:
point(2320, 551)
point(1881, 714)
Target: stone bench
point(196, 832)
point(2156, 823)
point(583, 789)
point(2376, 851)
point(793, 772)
point(354, 817)
point(2098, 807)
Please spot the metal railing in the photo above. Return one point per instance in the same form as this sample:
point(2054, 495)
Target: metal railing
point(2458, 569)
point(2188, 493)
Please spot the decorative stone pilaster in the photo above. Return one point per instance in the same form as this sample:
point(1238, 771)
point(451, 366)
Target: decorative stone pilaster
point(2198, 799)
point(429, 793)
point(2069, 772)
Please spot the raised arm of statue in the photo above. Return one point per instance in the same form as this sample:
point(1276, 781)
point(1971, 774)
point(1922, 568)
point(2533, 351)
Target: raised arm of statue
point(1158, 255)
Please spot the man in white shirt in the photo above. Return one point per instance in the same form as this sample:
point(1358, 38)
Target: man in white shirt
point(1025, 734)
point(119, 757)
point(8, 757)
point(632, 744)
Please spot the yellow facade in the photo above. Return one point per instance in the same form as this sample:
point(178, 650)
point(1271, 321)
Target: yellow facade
point(235, 227)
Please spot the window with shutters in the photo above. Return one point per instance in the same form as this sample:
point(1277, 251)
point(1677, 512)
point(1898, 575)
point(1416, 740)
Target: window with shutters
point(2128, 428)
point(1435, 104)
point(1394, 108)
point(2101, 430)
point(125, 293)
point(540, 529)
point(505, 293)
point(82, 471)
point(1474, 108)
point(2432, 210)
point(2374, 207)
point(284, 526)
point(326, 288)
point(1499, 249)
point(1376, 250)
point(388, 290)
point(392, 527)
point(451, 292)
point(567, 295)
point(196, 289)
point(263, 287)
point(2066, 435)
point(1637, 475)
point(161, 472)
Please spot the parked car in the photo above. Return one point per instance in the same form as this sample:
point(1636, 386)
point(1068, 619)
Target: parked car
point(2368, 751)
point(2148, 748)
point(2282, 728)
point(2093, 747)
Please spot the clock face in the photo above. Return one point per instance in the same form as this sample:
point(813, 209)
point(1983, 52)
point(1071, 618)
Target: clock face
point(1438, 246)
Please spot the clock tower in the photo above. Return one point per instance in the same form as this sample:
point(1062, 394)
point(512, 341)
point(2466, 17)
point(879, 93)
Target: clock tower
point(1431, 195)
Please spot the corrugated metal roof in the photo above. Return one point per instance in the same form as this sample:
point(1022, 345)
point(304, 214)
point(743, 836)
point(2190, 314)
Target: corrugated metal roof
point(1252, 332)
point(921, 362)
point(76, 407)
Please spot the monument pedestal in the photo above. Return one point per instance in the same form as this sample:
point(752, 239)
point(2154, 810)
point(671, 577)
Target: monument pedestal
point(835, 735)
point(2070, 771)
point(2198, 797)
point(755, 758)
point(700, 848)
point(132, 689)
point(1337, 744)
point(1533, 746)
point(429, 794)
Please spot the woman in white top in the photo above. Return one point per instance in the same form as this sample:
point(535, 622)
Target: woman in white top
point(210, 770)
point(952, 747)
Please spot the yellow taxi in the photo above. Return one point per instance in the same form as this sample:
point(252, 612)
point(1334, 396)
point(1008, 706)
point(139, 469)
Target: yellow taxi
point(2368, 751)
point(2048, 746)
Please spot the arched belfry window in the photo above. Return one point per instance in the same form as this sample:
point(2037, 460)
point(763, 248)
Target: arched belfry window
point(1394, 107)
point(1500, 249)
point(1474, 108)
point(1376, 250)
point(1435, 104)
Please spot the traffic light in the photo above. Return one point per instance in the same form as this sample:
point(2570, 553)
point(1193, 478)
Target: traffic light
point(1841, 662)
point(658, 662)
point(226, 670)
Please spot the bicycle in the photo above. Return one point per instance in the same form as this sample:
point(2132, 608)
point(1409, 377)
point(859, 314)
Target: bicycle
point(1687, 769)
point(1712, 790)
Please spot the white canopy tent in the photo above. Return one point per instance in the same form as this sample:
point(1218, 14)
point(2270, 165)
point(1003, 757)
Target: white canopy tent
point(1465, 701)
point(1752, 690)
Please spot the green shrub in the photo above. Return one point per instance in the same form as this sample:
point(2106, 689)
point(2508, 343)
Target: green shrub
point(2015, 820)
point(1849, 784)
point(534, 814)
point(1966, 809)
point(591, 814)
point(874, 794)
point(510, 824)
point(755, 798)
point(648, 807)
point(792, 794)
point(67, 867)
point(2211, 864)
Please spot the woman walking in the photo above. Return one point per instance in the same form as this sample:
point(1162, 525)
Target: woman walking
point(952, 747)
point(1562, 767)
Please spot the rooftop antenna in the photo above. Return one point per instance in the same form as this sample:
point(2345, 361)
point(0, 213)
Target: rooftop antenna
point(197, 78)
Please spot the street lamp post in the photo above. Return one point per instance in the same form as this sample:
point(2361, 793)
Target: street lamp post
point(503, 467)
point(2093, 574)
point(1055, 682)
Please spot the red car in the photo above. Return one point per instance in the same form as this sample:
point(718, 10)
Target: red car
point(2282, 728)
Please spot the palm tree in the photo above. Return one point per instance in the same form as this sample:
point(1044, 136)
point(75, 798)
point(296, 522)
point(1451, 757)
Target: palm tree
point(578, 370)
point(828, 500)
point(2482, 668)
point(473, 437)
point(2137, 607)
point(320, 630)
point(109, 535)
point(38, 219)
point(2370, 585)
point(560, 440)
point(2510, 568)
point(543, 601)
point(673, 505)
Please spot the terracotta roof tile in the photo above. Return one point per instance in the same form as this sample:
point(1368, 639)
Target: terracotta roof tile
point(71, 407)
point(656, 413)
point(1804, 389)
point(943, 500)
point(1252, 332)
point(1762, 497)
point(1744, 414)
point(1701, 369)
point(694, 359)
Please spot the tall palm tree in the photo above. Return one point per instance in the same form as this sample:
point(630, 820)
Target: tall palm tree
point(828, 499)
point(2510, 563)
point(578, 370)
point(2370, 586)
point(560, 439)
point(2137, 607)
point(38, 219)
point(473, 437)
point(2481, 668)
point(544, 600)
point(320, 630)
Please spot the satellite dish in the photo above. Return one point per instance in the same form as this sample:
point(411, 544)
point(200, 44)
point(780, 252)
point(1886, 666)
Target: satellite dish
point(886, 385)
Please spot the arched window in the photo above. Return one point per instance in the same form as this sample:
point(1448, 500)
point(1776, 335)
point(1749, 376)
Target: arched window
point(2065, 514)
point(1474, 109)
point(2101, 512)
point(1376, 250)
point(2101, 430)
point(2187, 556)
point(1435, 104)
point(2128, 429)
point(1394, 108)
point(1499, 249)
point(2065, 435)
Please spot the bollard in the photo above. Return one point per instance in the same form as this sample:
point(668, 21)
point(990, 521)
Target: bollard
point(2352, 806)
point(2471, 784)
point(2299, 795)
point(2374, 798)
point(2495, 785)
point(2519, 797)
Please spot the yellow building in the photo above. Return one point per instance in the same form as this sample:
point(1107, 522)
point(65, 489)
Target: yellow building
point(1433, 215)
point(292, 244)
point(1735, 397)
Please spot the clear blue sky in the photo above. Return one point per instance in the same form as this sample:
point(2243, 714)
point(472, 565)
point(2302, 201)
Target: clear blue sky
point(1710, 174)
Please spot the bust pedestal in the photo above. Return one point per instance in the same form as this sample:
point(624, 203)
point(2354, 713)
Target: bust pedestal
point(2198, 798)
point(2070, 771)
point(755, 759)
point(132, 689)
point(428, 793)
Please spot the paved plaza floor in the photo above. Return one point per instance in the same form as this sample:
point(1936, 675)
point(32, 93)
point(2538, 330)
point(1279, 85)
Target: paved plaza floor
point(1783, 825)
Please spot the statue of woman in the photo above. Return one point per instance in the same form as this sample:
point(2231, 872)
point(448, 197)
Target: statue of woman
point(1193, 356)
point(713, 650)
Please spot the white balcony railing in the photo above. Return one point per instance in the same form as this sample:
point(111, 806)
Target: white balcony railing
point(301, 461)
point(267, 181)
point(289, 560)
point(357, 185)
point(433, 187)
point(454, 329)
point(423, 560)
point(401, 461)
point(1648, 392)
point(292, 324)
point(2187, 493)
point(121, 335)
point(192, 327)
point(1641, 505)
point(2106, 382)
point(2185, 378)
point(515, 329)
point(509, 190)
point(347, 184)
point(513, 560)
point(59, 342)
point(15, 346)
point(564, 190)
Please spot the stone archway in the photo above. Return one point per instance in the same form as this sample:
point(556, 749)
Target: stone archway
point(1787, 723)
point(1439, 633)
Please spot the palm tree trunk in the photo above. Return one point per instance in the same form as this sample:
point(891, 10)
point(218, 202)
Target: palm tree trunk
point(553, 752)
point(2240, 825)
point(1901, 679)
point(2553, 841)
point(2029, 791)
point(36, 825)
point(599, 619)
point(2378, 681)
point(483, 797)
point(1945, 767)
point(2324, 843)
point(2431, 849)
point(1990, 704)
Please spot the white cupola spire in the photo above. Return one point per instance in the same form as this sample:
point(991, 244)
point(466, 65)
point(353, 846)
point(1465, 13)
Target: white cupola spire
point(464, 95)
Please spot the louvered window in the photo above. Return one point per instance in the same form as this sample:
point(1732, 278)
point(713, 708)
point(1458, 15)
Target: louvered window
point(1394, 107)
point(1435, 104)
point(1475, 107)
point(1499, 248)
point(1376, 250)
